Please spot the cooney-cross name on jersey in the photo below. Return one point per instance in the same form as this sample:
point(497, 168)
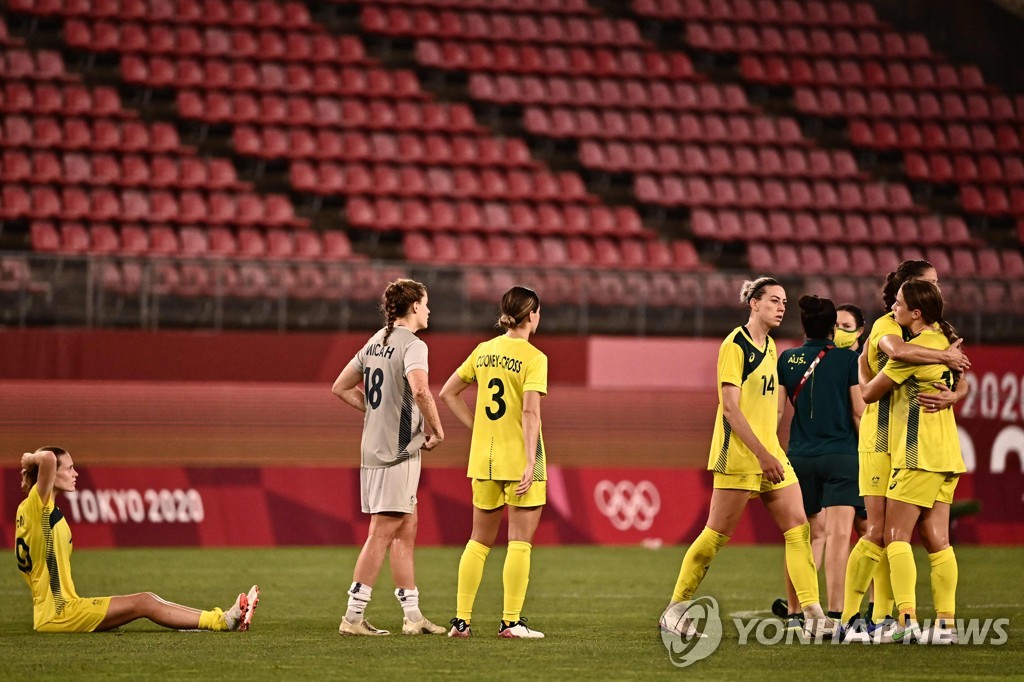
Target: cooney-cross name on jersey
point(500, 361)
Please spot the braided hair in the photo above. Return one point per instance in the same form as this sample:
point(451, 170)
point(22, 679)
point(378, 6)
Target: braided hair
point(396, 301)
point(906, 271)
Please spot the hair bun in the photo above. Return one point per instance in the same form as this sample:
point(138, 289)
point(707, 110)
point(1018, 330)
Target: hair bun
point(810, 303)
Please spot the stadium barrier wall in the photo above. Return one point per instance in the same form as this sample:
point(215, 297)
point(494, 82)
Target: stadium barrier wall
point(270, 506)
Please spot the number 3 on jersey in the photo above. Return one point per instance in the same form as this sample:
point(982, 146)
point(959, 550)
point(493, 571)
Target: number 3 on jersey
point(373, 382)
point(497, 399)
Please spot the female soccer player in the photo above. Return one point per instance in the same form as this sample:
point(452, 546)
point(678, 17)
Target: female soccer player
point(43, 548)
point(507, 459)
point(747, 461)
point(849, 327)
point(926, 465)
point(821, 382)
point(868, 561)
point(387, 380)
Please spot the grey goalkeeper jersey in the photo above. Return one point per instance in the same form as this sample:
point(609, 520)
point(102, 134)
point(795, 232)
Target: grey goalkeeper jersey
point(393, 425)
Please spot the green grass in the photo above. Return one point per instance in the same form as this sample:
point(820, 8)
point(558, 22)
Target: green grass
point(598, 607)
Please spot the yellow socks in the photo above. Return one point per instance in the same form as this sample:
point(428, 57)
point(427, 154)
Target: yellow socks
point(883, 590)
point(516, 576)
point(860, 567)
point(212, 620)
point(944, 576)
point(695, 563)
point(904, 576)
point(471, 572)
point(800, 564)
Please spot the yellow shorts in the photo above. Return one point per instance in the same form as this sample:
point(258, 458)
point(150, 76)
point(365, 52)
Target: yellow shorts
point(493, 494)
point(80, 615)
point(875, 469)
point(921, 488)
point(756, 483)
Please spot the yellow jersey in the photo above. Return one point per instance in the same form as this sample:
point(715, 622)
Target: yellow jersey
point(917, 439)
point(504, 368)
point(42, 543)
point(755, 371)
point(874, 423)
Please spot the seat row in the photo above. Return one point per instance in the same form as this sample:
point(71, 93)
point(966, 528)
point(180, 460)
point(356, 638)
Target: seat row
point(707, 128)
point(795, 40)
point(381, 147)
point(830, 228)
point(66, 99)
point(129, 170)
point(501, 250)
point(895, 75)
point(613, 93)
point(992, 200)
point(189, 241)
point(378, 114)
point(961, 296)
point(440, 215)
point(132, 205)
point(498, 26)
point(98, 134)
point(440, 182)
point(250, 280)
point(235, 43)
point(271, 77)
point(21, 63)
point(811, 13)
point(788, 258)
point(450, 55)
point(580, 7)
point(797, 195)
point(260, 14)
point(1003, 138)
point(698, 159)
point(876, 103)
point(988, 169)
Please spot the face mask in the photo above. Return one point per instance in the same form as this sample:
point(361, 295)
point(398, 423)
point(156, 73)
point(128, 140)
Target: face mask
point(845, 339)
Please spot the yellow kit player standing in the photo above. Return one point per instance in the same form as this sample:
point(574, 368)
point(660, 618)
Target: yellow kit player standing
point(926, 465)
point(748, 461)
point(507, 459)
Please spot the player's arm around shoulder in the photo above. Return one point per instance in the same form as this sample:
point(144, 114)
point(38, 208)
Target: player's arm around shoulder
point(420, 386)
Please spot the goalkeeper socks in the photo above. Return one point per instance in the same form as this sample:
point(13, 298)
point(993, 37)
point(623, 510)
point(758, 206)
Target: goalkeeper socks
point(904, 576)
point(471, 572)
point(696, 562)
point(860, 567)
point(883, 590)
point(800, 564)
point(409, 599)
point(944, 577)
point(212, 620)
point(516, 577)
point(358, 598)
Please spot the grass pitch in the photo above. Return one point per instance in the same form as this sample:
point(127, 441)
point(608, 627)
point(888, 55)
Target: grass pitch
point(598, 607)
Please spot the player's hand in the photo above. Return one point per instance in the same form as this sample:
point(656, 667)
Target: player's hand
point(28, 460)
point(936, 402)
point(772, 468)
point(433, 440)
point(955, 358)
point(526, 481)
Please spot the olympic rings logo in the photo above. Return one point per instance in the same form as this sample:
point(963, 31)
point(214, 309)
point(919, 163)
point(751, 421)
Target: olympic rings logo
point(627, 505)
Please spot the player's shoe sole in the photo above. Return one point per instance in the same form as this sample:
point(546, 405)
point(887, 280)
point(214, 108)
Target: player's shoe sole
point(252, 600)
